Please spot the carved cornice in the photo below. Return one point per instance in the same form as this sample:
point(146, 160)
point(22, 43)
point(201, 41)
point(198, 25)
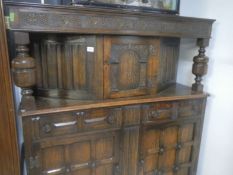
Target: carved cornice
point(104, 21)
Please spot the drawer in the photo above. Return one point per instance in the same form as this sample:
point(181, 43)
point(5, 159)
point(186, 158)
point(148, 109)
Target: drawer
point(159, 111)
point(190, 108)
point(163, 111)
point(102, 119)
point(74, 122)
point(57, 124)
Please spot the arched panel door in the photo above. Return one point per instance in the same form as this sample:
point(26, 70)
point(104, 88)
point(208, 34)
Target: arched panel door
point(130, 66)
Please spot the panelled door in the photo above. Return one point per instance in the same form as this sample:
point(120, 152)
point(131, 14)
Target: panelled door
point(168, 149)
point(130, 66)
point(95, 154)
point(69, 66)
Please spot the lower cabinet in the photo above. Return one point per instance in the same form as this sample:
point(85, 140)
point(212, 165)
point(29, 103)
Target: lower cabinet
point(160, 138)
point(169, 149)
point(96, 154)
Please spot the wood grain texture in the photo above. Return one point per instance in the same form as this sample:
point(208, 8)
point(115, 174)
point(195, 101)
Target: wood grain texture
point(131, 66)
point(200, 65)
point(47, 105)
point(129, 154)
point(167, 147)
point(8, 137)
point(128, 117)
point(23, 66)
point(66, 69)
point(91, 154)
point(105, 21)
point(169, 54)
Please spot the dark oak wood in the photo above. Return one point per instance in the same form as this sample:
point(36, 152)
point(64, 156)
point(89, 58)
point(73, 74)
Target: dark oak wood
point(168, 133)
point(131, 66)
point(9, 149)
point(71, 66)
point(66, 68)
point(70, 19)
point(105, 96)
point(168, 149)
point(23, 66)
point(169, 54)
point(200, 65)
point(50, 105)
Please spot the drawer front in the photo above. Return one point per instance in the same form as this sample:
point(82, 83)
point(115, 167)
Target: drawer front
point(59, 124)
point(159, 111)
point(102, 119)
point(163, 111)
point(190, 108)
point(74, 122)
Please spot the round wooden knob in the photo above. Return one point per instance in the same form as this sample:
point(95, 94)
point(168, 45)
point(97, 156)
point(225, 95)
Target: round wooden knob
point(47, 128)
point(161, 150)
point(93, 164)
point(178, 146)
point(117, 169)
point(110, 119)
point(142, 161)
point(67, 170)
point(153, 114)
point(176, 168)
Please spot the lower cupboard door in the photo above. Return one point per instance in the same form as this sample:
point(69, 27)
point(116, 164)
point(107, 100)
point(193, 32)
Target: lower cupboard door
point(86, 155)
point(169, 149)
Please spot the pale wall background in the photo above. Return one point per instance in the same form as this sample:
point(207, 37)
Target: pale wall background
point(216, 157)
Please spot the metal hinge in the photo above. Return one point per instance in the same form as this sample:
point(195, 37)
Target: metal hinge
point(34, 162)
point(7, 22)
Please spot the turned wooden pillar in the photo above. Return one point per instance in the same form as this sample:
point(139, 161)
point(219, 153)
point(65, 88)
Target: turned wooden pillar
point(23, 66)
point(200, 65)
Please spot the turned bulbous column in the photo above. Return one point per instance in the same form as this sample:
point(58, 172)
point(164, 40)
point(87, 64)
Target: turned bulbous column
point(200, 65)
point(23, 66)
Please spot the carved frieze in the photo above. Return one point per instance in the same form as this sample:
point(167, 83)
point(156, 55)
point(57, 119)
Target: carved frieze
point(74, 20)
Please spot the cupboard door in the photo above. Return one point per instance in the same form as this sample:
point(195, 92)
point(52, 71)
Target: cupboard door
point(130, 66)
point(85, 155)
point(168, 149)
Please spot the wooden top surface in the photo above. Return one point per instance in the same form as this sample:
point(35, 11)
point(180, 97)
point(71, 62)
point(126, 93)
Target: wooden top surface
point(53, 105)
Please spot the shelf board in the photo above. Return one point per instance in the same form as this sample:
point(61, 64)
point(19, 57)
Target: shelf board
point(54, 105)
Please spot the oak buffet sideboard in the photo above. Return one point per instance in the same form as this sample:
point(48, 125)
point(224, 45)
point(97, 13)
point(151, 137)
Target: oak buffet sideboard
point(99, 91)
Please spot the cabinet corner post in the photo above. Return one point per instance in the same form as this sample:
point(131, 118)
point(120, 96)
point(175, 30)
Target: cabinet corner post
point(200, 65)
point(23, 66)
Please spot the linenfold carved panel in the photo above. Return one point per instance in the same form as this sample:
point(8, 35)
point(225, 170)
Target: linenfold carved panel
point(66, 69)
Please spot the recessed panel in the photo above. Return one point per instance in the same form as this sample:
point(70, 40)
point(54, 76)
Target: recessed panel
point(131, 66)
